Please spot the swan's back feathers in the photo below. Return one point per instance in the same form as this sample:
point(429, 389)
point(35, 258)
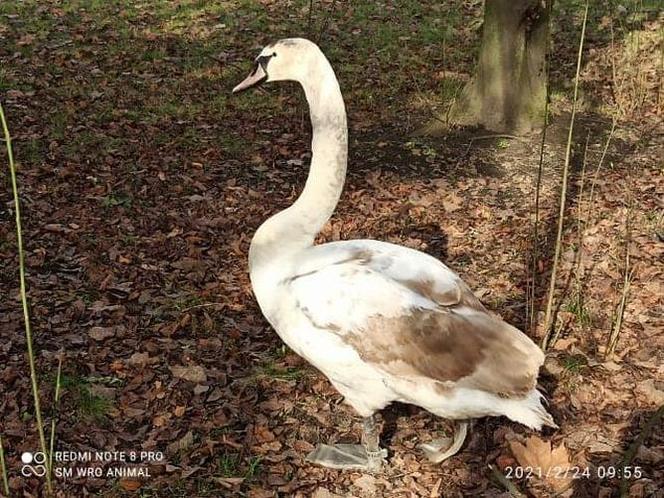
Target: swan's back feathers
point(412, 317)
point(456, 350)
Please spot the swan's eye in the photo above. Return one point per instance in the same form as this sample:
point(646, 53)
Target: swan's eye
point(274, 54)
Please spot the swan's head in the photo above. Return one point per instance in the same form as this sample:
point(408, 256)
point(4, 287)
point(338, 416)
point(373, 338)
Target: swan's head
point(287, 59)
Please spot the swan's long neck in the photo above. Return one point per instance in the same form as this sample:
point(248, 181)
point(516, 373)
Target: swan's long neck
point(296, 227)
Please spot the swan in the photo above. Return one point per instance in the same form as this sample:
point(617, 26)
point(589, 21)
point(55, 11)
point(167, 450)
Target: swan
point(383, 322)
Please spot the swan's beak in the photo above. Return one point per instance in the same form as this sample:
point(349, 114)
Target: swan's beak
point(257, 76)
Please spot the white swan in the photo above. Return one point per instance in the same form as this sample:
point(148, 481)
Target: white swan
point(383, 322)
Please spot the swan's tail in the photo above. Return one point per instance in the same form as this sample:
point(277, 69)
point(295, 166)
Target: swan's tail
point(529, 411)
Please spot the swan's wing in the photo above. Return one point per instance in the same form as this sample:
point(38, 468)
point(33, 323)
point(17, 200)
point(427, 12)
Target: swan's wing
point(412, 317)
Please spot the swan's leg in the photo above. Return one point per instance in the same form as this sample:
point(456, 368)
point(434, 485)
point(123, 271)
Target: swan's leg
point(368, 456)
point(371, 442)
point(434, 450)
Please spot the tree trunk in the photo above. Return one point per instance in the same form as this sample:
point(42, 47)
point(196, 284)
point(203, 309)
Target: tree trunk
point(508, 90)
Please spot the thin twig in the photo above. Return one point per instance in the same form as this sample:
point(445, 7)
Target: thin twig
point(558, 330)
point(531, 307)
point(620, 313)
point(55, 411)
point(614, 78)
point(3, 469)
point(580, 229)
point(627, 280)
point(505, 482)
point(486, 137)
point(24, 297)
point(325, 21)
point(311, 11)
point(563, 193)
point(499, 135)
point(56, 46)
point(634, 447)
point(204, 305)
point(660, 93)
point(599, 166)
point(434, 116)
point(431, 112)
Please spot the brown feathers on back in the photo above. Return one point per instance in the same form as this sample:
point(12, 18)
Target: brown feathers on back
point(459, 345)
point(474, 351)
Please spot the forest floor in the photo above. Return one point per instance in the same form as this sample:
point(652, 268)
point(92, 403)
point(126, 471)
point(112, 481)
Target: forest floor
point(143, 180)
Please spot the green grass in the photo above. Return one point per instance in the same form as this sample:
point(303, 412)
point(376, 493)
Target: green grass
point(420, 148)
point(93, 406)
point(450, 89)
point(88, 404)
point(573, 369)
point(152, 55)
point(88, 296)
point(274, 371)
point(185, 302)
point(58, 125)
point(574, 364)
point(6, 79)
point(232, 465)
point(113, 200)
point(502, 143)
point(129, 239)
point(655, 220)
point(32, 152)
point(107, 380)
point(577, 307)
point(228, 465)
point(281, 351)
point(253, 468)
point(232, 146)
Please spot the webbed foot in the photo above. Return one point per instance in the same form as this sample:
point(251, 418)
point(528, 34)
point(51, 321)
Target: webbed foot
point(441, 449)
point(348, 457)
point(368, 456)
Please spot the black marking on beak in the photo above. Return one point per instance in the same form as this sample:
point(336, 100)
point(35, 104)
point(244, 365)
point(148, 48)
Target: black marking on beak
point(263, 60)
point(257, 76)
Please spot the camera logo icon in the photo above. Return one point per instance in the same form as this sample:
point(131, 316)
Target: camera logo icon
point(33, 464)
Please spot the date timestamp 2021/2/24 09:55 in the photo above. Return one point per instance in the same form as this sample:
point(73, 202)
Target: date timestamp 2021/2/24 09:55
point(573, 472)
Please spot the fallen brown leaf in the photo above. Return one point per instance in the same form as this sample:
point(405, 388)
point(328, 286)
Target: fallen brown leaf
point(181, 444)
point(192, 373)
point(548, 464)
point(229, 482)
point(101, 333)
point(130, 484)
